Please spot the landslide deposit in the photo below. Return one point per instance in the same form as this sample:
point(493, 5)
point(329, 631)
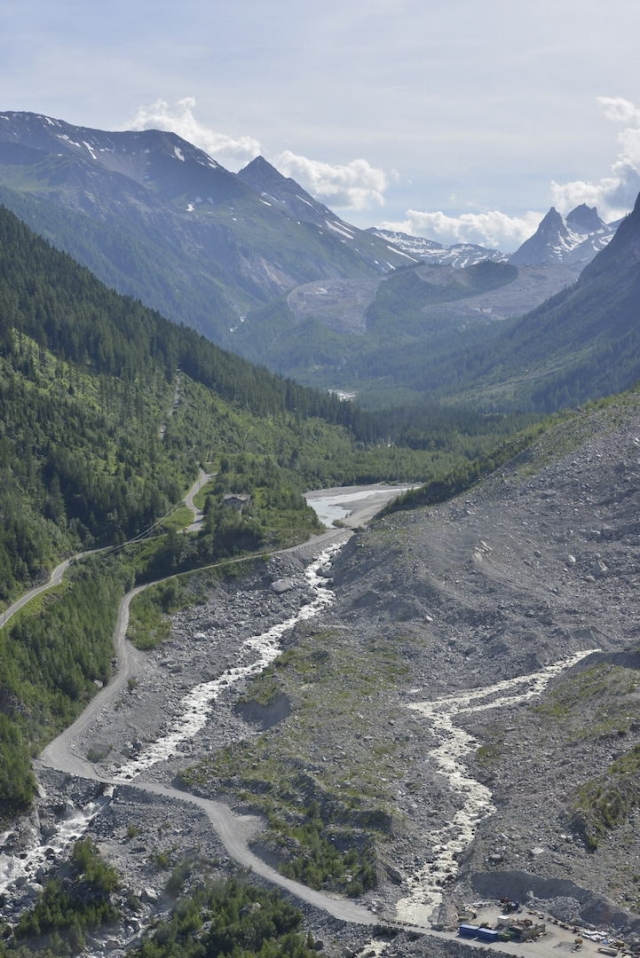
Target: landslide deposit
point(537, 565)
point(465, 712)
point(458, 720)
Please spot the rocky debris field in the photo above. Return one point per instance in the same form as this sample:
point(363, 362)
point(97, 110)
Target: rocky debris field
point(538, 563)
point(206, 642)
point(535, 566)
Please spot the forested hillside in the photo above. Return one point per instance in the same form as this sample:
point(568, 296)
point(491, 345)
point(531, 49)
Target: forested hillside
point(107, 408)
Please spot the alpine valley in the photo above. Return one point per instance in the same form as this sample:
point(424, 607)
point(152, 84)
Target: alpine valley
point(232, 724)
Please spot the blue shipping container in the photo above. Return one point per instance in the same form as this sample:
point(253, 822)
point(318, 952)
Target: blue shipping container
point(488, 934)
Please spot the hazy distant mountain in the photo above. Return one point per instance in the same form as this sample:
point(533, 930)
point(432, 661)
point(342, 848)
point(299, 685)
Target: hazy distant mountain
point(459, 255)
point(259, 266)
point(581, 343)
point(433, 331)
point(557, 241)
point(288, 196)
point(575, 239)
point(159, 219)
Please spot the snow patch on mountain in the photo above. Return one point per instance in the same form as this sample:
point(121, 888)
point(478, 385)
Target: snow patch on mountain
point(459, 255)
point(573, 240)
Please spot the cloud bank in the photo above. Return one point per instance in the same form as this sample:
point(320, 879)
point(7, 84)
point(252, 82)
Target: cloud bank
point(493, 229)
point(614, 195)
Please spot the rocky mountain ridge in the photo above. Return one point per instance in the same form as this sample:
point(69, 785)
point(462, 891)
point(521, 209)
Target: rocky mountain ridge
point(459, 255)
point(572, 240)
point(159, 219)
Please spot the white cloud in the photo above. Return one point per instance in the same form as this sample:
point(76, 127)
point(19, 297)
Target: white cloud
point(614, 195)
point(232, 151)
point(492, 228)
point(356, 185)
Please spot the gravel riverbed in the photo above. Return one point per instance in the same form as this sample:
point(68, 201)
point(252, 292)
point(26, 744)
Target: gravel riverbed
point(536, 566)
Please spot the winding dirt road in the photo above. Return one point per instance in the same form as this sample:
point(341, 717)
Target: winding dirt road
point(54, 579)
point(233, 830)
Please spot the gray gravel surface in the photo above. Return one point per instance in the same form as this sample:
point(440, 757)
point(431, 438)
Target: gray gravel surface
point(536, 564)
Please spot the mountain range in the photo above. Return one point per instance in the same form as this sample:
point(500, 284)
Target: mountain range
point(571, 240)
point(528, 336)
point(159, 219)
point(259, 266)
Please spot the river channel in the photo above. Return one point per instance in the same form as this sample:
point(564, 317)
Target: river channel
point(423, 891)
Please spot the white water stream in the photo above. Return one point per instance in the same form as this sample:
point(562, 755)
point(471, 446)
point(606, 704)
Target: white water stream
point(24, 870)
point(455, 744)
point(195, 712)
point(196, 706)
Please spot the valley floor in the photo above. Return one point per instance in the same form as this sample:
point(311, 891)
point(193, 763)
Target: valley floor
point(499, 598)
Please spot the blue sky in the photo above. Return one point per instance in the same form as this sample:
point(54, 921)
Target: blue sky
point(458, 120)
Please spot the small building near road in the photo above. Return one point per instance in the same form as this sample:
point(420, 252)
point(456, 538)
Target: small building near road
point(236, 500)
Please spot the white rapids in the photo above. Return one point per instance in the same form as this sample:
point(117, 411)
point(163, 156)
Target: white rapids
point(196, 706)
point(25, 869)
point(455, 743)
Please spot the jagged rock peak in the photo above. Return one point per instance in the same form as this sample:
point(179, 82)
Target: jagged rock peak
point(544, 245)
point(575, 240)
point(258, 163)
point(552, 218)
point(260, 175)
point(585, 219)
